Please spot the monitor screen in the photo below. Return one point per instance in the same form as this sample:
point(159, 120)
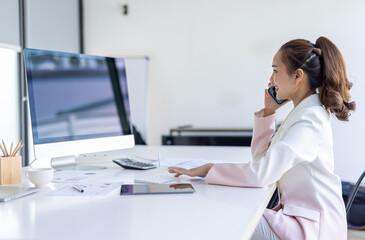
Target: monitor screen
point(75, 97)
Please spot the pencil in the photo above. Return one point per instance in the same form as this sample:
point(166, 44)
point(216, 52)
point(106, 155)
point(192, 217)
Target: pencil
point(11, 147)
point(6, 151)
point(15, 152)
point(2, 150)
point(19, 143)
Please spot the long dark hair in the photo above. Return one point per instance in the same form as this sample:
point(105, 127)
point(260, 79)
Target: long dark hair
point(326, 70)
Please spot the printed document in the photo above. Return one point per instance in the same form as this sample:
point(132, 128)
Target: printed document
point(89, 189)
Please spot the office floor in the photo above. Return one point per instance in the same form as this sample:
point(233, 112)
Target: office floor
point(355, 235)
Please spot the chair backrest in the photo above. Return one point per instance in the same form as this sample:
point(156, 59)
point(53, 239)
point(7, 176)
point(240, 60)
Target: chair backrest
point(353, 193)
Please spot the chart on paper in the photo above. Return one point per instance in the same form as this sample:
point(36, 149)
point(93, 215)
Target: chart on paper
point(72, 176)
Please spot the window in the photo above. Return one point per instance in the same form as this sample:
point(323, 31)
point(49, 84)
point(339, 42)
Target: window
point(9, 96)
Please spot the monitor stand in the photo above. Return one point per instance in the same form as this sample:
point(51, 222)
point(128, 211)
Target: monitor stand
point(69, 163)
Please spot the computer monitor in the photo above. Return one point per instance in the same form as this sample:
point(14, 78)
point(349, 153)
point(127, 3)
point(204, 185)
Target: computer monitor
point(78, 103)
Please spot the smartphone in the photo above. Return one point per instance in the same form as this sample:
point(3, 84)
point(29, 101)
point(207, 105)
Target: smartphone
point(272, 92)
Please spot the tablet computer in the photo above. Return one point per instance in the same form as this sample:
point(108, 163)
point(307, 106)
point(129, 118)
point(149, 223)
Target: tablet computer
point(8, 193)
point(136, 189)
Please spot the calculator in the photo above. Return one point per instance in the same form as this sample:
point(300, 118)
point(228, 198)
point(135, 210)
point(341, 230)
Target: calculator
point(133, 164)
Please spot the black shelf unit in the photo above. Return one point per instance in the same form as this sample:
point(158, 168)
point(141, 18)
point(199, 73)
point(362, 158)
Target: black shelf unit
point(208, 137)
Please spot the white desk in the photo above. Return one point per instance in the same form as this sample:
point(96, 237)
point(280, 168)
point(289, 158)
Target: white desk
point(213, 212)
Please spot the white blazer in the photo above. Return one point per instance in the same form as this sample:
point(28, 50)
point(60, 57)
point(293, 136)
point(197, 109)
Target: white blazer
point(300, 159)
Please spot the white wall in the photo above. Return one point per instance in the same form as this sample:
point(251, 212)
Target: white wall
point(210, 60)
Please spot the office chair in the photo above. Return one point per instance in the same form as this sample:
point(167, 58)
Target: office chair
point(350, 199)
point(353, 193)
point(355, 217)
point(274, 200)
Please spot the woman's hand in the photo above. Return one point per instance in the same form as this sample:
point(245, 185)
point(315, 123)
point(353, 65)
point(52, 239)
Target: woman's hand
point(270, 104)
point(201, 171)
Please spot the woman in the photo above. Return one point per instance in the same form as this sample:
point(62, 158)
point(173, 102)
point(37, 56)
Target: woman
point(299, 157)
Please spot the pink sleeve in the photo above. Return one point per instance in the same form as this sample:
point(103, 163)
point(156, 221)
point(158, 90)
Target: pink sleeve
point(233, 174)
point(299, 145)
point(247, 174)
point(264, 128)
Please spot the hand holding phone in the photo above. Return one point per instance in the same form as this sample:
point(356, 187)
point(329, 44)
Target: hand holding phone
point(272, 92)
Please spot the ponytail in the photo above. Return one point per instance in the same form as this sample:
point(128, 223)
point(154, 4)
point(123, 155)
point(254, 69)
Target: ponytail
point(326, 70)
point(334, 92)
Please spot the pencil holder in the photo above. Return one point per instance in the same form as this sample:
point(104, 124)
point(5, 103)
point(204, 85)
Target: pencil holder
point(10, 170)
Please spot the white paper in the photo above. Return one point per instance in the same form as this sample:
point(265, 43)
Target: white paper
point(72, 176)
point(90, 189)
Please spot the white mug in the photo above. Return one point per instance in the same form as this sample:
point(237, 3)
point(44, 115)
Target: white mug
point(39, 176)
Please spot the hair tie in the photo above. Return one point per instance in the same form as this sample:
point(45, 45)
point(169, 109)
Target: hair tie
point(317, 51)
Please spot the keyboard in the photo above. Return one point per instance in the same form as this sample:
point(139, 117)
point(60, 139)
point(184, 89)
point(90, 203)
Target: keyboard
point(133, 164)
point(156, 177)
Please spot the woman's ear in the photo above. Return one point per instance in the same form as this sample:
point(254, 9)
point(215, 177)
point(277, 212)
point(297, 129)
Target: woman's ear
point(299, 75)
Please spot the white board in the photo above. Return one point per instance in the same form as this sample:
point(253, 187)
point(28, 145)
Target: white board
point(137, 80)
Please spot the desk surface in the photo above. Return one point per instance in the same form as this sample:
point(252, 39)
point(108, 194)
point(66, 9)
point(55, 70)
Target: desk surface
point(213, 212)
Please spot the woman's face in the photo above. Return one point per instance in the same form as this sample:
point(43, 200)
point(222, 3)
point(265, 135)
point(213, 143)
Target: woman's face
point(283, 82)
